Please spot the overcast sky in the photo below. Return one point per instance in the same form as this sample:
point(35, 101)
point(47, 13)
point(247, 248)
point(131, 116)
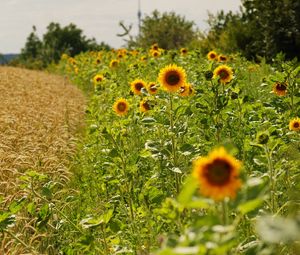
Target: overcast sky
point(97, 18)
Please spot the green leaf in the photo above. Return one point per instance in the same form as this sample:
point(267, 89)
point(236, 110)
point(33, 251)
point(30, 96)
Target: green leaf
point(16, 206)
point(46, 192)
point(113, 153)
point(185, 197)
point(31, 208)
point(176, 170)
point(97, 221)
point(148, 120)
point(250, 205)
point(6, 220)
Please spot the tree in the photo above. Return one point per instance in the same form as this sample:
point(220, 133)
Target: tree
point(56, 41)
point(32, 47)
point(169, 30)
point(262, 28)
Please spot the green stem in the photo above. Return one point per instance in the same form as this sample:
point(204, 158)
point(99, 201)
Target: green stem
point(225, 218)
point(272, 179)
point(104, 239)
point(173, 141)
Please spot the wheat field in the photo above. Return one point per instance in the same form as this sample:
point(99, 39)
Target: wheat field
point(40, 115)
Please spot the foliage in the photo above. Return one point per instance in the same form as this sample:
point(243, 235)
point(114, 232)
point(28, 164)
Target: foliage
point(261, 28)
point(56, 41)
point(168, 30)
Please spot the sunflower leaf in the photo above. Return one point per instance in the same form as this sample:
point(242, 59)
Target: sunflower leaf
point(250, 205)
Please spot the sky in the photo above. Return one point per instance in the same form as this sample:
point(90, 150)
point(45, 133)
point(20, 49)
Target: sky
point(97, 18)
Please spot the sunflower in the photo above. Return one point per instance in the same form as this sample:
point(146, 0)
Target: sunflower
point(64, 56)
point(143, 58)
point(222, 58)
point(280, 88)
point(172, 77)
point(97, 61)
point(186, 90)
point(134, 52)
point(154, 46)
point(98, 78)
point(295, 124)
point(212, 55)
point(152, 88)
point(114, 63)
point(145, 105)
point(155, 53)
point(183, 51)
point(217, 174)
point(137, 85)
point(224, 73)
point(121, 107)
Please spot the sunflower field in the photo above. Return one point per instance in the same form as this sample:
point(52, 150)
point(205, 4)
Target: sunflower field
point(182, 154)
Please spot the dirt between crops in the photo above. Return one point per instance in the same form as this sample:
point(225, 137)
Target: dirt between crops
point(40, 115)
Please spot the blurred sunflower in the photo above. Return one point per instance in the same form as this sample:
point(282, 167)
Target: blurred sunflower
point(280, 88)
point(186, 90)
point(172, 77)
point(217, 174)
point(121, 107)
point(222, 58)
point(114, 63)
point(64, 56)
point(155, 53)
point(98, 61)
point(152, 88)
point(183, 51)
point(143, 58)
point(137, 85)
point(212, 55)
point(145, 105)
point(224, 73)
point(154, 46)
point(295, 124)
point(98, 78)
point(134, 52)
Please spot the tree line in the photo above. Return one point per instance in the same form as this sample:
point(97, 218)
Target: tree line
point(259, 29)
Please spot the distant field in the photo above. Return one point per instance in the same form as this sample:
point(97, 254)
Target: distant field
point(5, 58)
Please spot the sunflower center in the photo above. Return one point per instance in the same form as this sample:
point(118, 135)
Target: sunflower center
point(296, 125)
point(218, 172)
point(99, 79)
point(172, 78)
point(281, 87)
point(222, 58)
point(223, 74)
point(138, 86)
point(121, 106)
point(212, 56)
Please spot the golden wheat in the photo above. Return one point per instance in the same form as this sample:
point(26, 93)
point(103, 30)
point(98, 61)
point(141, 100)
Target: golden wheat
point(40, 114)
